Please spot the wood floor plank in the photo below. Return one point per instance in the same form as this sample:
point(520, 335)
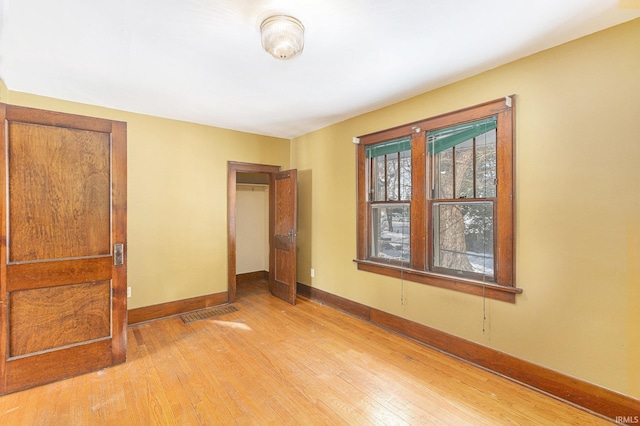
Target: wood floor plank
point(273, 363)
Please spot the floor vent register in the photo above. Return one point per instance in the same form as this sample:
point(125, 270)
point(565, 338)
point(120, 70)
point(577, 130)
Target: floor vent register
point(207, 313)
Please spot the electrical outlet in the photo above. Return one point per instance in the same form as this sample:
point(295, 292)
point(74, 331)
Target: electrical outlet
point(128, 291)
point(313, 273)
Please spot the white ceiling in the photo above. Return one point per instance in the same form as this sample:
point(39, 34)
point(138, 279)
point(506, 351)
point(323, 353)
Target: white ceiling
point(201, 60)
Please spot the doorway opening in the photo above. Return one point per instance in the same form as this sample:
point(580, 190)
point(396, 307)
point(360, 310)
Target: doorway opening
point(282, 215)
point(252, 233)
point(239, 173)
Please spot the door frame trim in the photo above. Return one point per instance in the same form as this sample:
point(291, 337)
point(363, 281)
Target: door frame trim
point(233, 168)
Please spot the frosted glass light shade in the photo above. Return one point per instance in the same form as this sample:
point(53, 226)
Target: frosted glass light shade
point(282, 36)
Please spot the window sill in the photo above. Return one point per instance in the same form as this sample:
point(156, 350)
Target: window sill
point(479, 288)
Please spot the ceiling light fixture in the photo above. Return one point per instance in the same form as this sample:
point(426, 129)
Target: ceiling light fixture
point(282, 36)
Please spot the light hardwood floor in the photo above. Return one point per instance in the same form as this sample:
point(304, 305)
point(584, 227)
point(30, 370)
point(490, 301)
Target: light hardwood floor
point(272, 363)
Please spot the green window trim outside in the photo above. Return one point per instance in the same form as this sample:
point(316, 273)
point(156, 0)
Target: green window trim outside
point(443, 139)
point(389, 147)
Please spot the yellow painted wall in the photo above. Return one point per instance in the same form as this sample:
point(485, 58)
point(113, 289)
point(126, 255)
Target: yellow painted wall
point(578, 212)
point(177, 198)
point(252, 228)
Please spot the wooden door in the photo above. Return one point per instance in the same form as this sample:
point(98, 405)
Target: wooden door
point(62, 282)
point(282, 281)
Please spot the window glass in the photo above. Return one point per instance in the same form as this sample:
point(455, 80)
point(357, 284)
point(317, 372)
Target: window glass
point(379, 185)
point(405, 175)
point(444, 174)
point(475, 169)
point(390, 164)
point(464, 169)
point(486, 165)
point(392, 177)
point(390, 231)
point(463, 237)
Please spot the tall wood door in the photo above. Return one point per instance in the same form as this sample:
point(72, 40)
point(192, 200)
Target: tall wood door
point(62, 258)
point(282, 282)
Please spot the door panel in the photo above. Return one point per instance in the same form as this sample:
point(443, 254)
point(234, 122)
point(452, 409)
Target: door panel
point(59, 189)
point(79, 312)
point(63, 299)
point(283, 279)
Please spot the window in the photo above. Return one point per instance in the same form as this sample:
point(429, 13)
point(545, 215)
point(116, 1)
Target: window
point(435, 201)
point(389, 183)
point(463, 192)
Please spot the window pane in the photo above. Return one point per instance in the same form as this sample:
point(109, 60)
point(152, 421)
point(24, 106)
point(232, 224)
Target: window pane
point(486, 165)
point(444, 174)
point(405, 175)
point(464, 169)
point(390, 231)
point(378, 179)
point(392, 177)
point(463, 236)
